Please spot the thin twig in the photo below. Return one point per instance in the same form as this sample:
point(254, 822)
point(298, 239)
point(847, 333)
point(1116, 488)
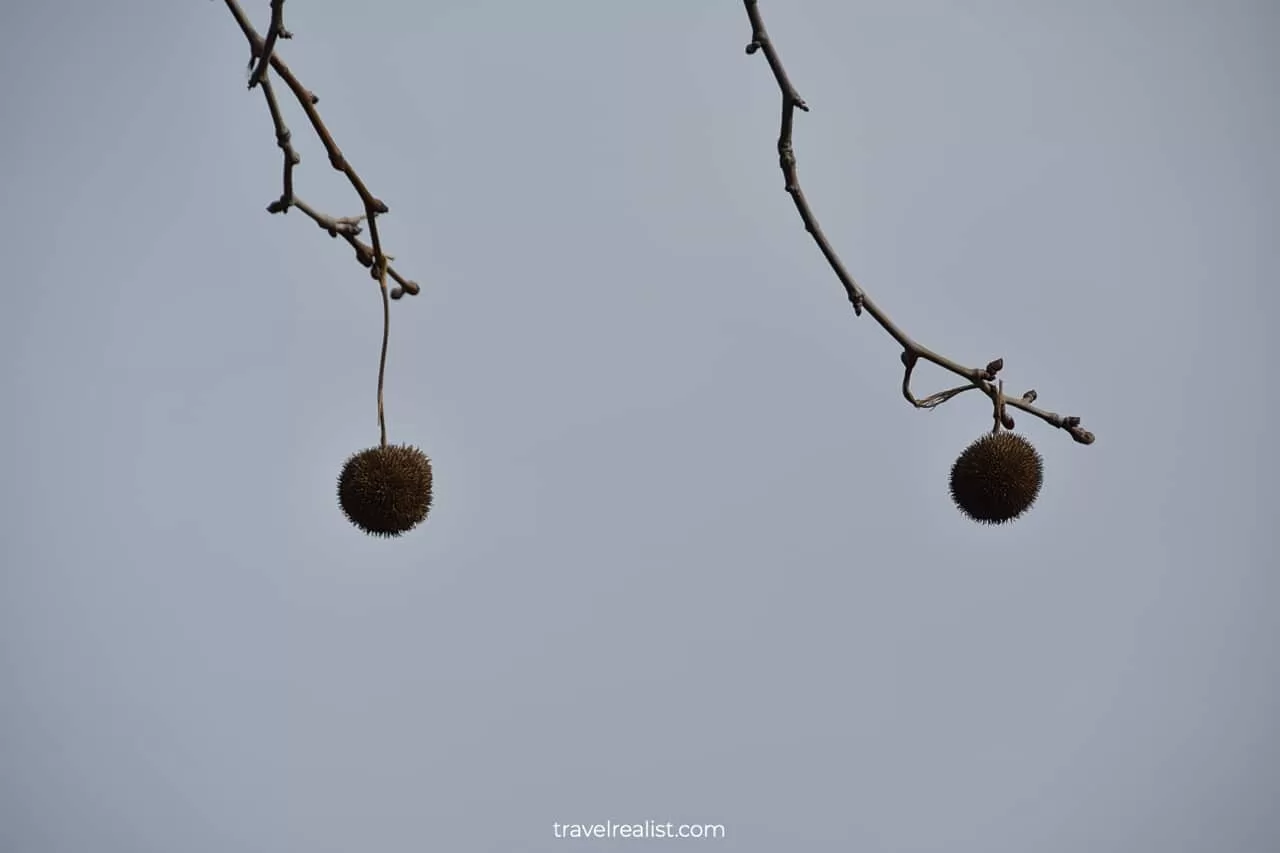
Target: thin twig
point(274, 31)
point(262, 56)
point(982, 379)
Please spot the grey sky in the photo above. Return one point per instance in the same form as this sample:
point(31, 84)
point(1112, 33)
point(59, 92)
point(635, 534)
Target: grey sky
point(692, 557)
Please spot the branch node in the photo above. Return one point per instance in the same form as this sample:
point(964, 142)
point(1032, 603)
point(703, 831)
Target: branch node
point(348, 225)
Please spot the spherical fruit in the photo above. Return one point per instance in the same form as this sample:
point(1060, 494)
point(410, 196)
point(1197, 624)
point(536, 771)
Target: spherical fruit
point(997, 478)
point(386, 491)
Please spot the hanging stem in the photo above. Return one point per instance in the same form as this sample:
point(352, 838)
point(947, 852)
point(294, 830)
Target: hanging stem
point(386, 331)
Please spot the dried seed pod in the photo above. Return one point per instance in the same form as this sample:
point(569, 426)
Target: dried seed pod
point(386, 491)
point(997, 478)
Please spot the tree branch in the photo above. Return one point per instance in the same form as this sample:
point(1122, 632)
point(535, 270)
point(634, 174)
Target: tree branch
point(982, 379)
point(262, 58)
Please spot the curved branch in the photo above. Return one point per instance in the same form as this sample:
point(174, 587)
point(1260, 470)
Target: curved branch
point(858, 298)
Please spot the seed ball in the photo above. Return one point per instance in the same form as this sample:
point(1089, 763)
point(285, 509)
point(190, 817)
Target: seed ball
point(386, 491)
point(997, 478)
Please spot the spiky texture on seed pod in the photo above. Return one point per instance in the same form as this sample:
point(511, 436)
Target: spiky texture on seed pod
point(386, 491)
point(997, 478)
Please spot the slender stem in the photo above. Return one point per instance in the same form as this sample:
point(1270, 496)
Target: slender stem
point(998, 406)
point(386, 331)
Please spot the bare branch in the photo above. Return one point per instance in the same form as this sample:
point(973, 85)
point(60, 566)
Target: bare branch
point(263, 60)
point(274, 31)
point(263, 56)
point(980, 378)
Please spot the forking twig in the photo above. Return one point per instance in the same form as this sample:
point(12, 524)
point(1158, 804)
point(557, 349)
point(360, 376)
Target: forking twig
point(262, 56)
point(263, 60)
point(981, 378)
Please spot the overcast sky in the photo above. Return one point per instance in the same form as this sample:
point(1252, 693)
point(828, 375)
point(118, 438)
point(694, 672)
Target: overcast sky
point(692, 557)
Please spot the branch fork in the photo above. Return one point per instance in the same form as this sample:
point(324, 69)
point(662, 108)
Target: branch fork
point(263, 59)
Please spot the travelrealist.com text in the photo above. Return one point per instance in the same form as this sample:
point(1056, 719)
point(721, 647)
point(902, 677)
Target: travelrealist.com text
point(647, 829)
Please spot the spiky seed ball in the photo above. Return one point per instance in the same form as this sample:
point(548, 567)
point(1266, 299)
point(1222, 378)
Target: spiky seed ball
point(386, 491)
point(997, 478)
